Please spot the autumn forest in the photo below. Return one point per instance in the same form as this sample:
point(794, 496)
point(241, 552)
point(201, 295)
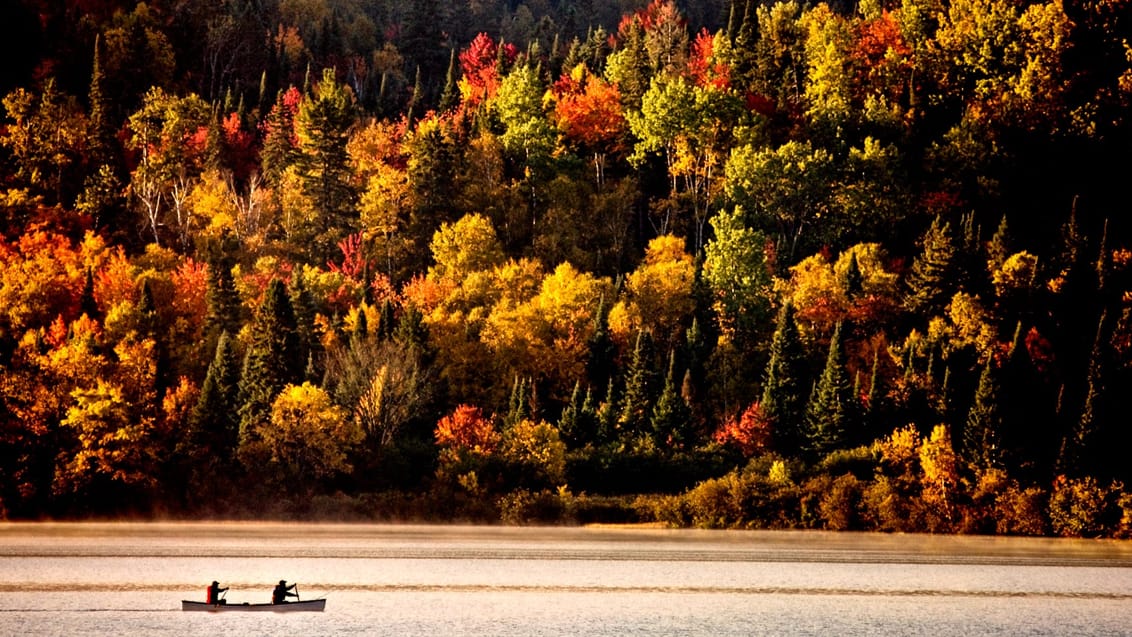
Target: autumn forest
point(720, 263)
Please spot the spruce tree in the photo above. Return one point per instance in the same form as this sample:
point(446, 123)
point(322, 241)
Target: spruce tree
point(981, 435)
point(222, 301)
point(601, 350)
point(273, 359)
point(450, 98)
point(214, 427)
point(829, 415)
point(607, 415)
point(782, 397)
point(671, 416)
point(568, 427)
point(640, 382)
point(310, 348)
point(854, 280)
point(929, 284)
point(87, 304)
point(1082, 451)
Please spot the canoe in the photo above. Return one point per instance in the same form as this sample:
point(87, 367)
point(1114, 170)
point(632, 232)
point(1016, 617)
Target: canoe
point(314, 605)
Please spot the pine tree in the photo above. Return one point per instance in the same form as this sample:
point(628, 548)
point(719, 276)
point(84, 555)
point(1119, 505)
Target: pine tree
point(929, 283)
point(607, 415)
point(272, 362)
point(1083, 451)
point(214, 427)
point(450, 98)
point(854, 281)
point(671, 416)
point(601, 350)
point(101, 126)
point(322, 127)
point(388, 322)
point(981, 436)
point(999, 247)
point(782, 397)
point(639, 386)
point(829, 415)
point(568, 420)
point(222, 301)
point(87, 304)
point(310, 348)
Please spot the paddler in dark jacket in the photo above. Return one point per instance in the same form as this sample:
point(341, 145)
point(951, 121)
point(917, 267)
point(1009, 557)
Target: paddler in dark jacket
point(282, 592)
point(214, 592)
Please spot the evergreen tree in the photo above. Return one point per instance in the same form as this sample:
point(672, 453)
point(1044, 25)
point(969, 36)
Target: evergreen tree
point(450, 98)
point(272, 361)
point(568, 420)
point(981, 436)
point(100, 125)
point(639, 386)
point(310, 348)
point(223, 307)
point(854, 281)
point(671, 416)
point(829, 415)
point(87, 304)
point(602, 351)
point(782, 397)
point(214, 426)
point(999, 247)
point(1083, 451)
point(322, 127)
point(607, 415)
point(388, 322)
point(929, 284)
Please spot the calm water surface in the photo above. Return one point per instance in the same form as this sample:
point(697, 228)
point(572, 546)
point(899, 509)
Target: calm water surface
point(128, 579)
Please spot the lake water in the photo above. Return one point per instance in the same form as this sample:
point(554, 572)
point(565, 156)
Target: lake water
point(128, 579)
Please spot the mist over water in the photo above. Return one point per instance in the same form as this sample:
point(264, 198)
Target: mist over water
point(121, 579)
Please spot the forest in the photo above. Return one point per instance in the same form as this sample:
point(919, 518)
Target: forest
point(719, 263)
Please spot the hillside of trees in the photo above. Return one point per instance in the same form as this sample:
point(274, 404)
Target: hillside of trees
point(718, 264)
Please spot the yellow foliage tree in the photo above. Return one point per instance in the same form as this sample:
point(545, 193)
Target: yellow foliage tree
point(309, 437)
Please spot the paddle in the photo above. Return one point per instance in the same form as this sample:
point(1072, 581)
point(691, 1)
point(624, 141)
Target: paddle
point(297, 592)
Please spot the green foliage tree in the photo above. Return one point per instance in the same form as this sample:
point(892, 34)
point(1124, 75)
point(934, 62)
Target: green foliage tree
point(929, 283)
point(322, 128)
point(671, 417)
point(271, 363)
point(830, 414)
point(782, 398)
point(981, 436)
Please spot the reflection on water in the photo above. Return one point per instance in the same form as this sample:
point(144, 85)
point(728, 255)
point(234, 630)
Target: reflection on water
point(424, 580)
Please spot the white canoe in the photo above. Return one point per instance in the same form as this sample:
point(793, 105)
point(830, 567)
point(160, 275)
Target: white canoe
point(315, 605)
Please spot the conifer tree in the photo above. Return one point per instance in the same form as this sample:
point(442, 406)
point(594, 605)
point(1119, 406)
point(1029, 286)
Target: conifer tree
point(607, 415)
point(999, 247)
point(388, 322)
point(981, 436)
point(782, 397)
point(1083, 449)
point(310, 348)
point(671, 416)
point(854, 281)
point(214, 426)
point(87, 304)
point(322, 128)
point(601, 350)
point(568, 422)
point(639, 386)
point(450, 98)
point(829, 415)
point(101, 126)
point(272, 361)
point(222, 301)
point(929, 284)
